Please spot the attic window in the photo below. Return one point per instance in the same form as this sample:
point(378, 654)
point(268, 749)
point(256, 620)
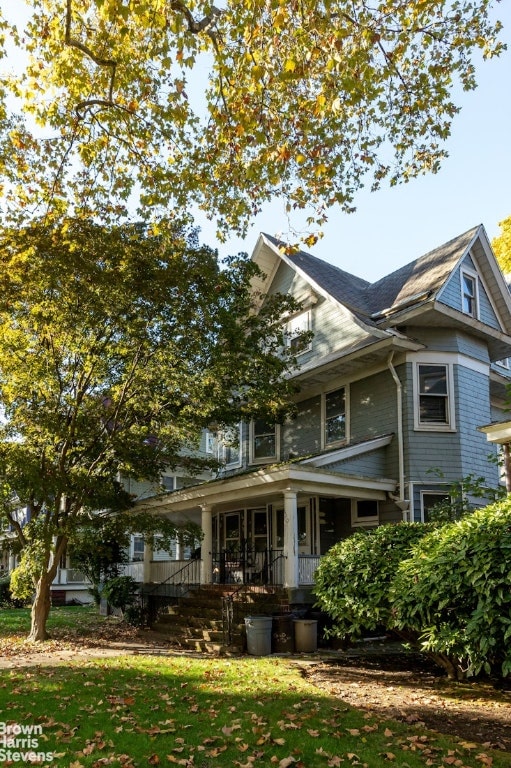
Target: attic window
point(296, 325)
point(469, 293)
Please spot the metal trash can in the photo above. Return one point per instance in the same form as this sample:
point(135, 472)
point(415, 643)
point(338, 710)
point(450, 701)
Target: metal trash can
point(282, 633)
point(306, 635)
point(258, 635)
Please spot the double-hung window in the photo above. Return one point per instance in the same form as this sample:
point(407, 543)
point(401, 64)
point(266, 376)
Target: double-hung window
point(264, 441)
point(434, 407)
point(335, 416)
point(469, 293)
point(229, 446)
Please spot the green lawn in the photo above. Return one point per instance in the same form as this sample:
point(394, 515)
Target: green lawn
point(161, 710)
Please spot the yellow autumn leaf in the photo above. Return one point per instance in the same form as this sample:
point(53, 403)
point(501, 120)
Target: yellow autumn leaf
point(290, 65)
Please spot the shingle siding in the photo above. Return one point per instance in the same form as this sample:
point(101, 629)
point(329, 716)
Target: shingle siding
point(451, 295)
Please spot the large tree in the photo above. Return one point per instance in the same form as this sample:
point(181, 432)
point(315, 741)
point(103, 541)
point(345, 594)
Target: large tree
point(181, 101)
point(117, 346)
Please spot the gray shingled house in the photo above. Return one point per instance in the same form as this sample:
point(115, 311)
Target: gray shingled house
point(393, 389)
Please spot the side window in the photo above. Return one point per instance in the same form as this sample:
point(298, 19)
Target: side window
point(364, 512)
point(469, 293)
point(335, 416)
point(433, 397)
point(263, 441)
point(429, 499)
point(137, 548)
point(229, 446)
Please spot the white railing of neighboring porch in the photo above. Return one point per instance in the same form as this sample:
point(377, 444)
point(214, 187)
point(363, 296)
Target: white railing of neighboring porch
point(70, 576)
point(307, 565)
point(135, 570)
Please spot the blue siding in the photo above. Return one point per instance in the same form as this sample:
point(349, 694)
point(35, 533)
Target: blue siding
point(372, 464)
point(454, 454)
point(451, 295)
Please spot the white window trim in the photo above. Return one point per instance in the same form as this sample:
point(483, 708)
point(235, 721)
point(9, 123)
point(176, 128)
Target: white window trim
point(431, 492)
point(263, 459)
point(294, 326)
point(450, 426)
point(345, 439)
point(475, 277)
point(359, 522)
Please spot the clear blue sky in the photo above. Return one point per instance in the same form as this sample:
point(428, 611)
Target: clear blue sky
point(394, 226)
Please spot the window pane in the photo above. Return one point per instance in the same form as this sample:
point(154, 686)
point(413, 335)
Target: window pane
point(433, 409)
point(433, 379)
point(265, 443)
point(469, 294)
point(335, 416)
point(264, 446)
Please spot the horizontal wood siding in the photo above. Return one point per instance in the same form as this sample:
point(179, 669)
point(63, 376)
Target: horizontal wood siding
point(332, 327)
point(302, 435)
point(373, 412)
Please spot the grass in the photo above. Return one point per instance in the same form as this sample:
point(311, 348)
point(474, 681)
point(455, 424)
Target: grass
point(135, 711)
point(16, 621)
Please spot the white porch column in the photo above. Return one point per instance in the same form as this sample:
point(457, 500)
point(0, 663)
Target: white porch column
point(179, 548)
point(290, 540)
point(148, 556)
point(206, 569)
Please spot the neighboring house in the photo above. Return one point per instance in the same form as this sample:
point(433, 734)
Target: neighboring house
point(398, 379)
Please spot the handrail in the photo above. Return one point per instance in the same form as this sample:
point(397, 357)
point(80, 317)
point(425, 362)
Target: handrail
point(172, 576)
point(228, 601)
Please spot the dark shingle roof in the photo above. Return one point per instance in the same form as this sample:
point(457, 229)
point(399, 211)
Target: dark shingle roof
point(428, 274)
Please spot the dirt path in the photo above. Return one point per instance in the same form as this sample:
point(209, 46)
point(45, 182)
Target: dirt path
point(410, 689)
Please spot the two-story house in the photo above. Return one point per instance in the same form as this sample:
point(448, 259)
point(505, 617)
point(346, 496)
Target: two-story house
point(393, 389)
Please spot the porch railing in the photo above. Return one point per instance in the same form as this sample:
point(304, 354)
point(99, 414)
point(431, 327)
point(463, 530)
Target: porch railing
point(166, 570)
point(135, 570)
point(70, 576)
point(307, 565)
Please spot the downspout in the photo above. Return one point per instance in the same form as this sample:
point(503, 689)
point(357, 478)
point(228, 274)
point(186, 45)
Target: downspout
point(400, 501)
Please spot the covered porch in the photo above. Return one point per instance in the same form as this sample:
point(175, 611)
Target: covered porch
point(267, 526)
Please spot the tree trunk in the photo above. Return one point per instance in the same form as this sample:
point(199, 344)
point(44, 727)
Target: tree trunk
point(40, 610)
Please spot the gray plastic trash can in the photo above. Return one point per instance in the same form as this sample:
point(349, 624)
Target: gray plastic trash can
point(306, 635)
point(258, 635)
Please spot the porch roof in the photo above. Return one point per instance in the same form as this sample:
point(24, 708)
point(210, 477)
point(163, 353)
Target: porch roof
point(251, 487)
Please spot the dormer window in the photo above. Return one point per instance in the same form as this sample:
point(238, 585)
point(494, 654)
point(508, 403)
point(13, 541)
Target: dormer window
point(469, 293)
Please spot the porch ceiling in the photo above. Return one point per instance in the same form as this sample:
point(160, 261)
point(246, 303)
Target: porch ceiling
point(266, 483)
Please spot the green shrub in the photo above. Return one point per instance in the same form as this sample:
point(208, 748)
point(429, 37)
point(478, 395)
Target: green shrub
point(455, 593)
point(121, 592)
point(7, 599)
point(353, 580)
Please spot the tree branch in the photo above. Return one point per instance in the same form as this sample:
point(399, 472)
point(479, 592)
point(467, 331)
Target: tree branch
point(100, 61)
point(197, 26)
